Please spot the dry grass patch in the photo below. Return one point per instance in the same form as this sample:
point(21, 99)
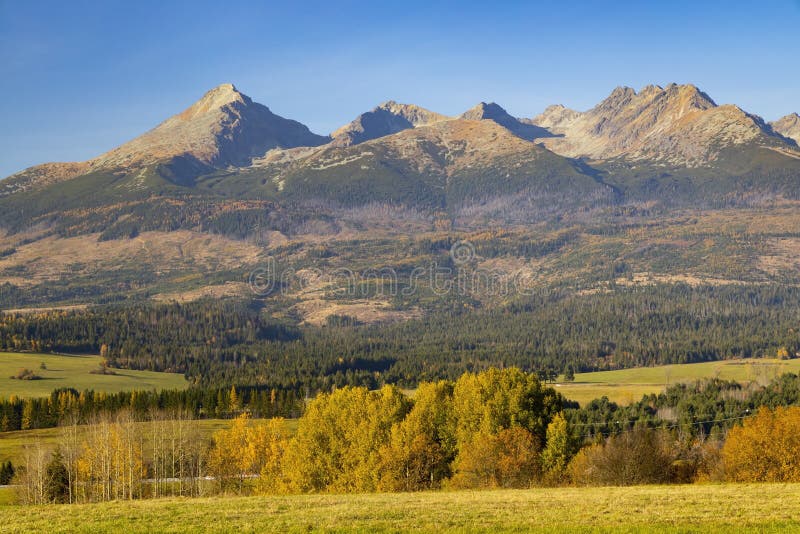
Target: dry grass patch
point(317, 311)
point(50, 258)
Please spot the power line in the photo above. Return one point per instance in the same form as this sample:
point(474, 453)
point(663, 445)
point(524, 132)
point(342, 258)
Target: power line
point(628, 421)
point(667, 427)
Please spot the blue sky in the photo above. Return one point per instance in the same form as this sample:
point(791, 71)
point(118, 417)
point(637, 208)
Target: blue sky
point(78, 78)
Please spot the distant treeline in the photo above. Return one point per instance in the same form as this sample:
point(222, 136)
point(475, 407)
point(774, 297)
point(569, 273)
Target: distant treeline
point(68, 404)
point(222, 343)
point(703, 408)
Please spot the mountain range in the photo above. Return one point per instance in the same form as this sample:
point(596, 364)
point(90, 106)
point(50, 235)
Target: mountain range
point(405, 154)
point(228, 170)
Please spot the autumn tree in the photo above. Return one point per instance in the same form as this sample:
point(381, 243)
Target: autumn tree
point(111, 462)
point(766, 448)
point(422, 446)
point(501, 398)
point(248, 449)
point(501, 417)
point(558, 450)
point(270, 441)
point(230, 460)
point(508, 459)
point(339, 437)
point(31, 475)
point(177, 453)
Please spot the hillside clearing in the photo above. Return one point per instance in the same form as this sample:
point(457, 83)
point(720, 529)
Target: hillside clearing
point(63, 371)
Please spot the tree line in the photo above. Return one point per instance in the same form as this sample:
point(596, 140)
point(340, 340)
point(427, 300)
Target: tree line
point(67, 404)
point(497, 428)
point(705, 408)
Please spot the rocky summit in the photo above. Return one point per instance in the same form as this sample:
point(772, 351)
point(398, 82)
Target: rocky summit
point(788, 126)
point(677, 125)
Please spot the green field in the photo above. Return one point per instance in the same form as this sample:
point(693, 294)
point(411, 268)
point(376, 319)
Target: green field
point(629, 385)
point(74, 371)
point(698, 508)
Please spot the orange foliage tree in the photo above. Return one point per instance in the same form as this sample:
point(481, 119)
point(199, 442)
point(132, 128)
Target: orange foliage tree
point(766, 448)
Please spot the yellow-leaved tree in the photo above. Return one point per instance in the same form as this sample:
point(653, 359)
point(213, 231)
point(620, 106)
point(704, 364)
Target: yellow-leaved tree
point(110, 464)
point(558, 451)
point(339, 437)
point(248, 450)
point(501, 417)
point(422, 446)
point(766, 448)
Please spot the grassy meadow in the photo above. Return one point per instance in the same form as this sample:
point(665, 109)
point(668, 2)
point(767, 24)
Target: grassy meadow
point(695, 508)
point(74, 371)
point(629, 385)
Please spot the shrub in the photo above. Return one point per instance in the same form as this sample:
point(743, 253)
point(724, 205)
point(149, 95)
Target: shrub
point(6, 473)
point(26, 374)
point(639, 456)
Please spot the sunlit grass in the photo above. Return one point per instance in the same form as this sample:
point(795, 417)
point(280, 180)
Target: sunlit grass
point(74, 372)
point(698, 508)
point(629, 385)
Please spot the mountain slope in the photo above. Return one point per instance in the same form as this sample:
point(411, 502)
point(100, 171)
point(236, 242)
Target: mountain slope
point(444, 165)
point(386, 119)
point(212, 193)
point(662, 146)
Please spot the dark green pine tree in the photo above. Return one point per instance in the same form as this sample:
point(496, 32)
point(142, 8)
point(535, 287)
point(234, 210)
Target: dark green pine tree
point(56, 481)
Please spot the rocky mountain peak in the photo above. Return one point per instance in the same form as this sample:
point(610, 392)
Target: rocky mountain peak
point(788, 126)
point(387, 118)
point(494, 112)
point(224, 127)
point(486, 111)
point(676, 124)
point(217, 98)
point(555, 117)
point(689, 96)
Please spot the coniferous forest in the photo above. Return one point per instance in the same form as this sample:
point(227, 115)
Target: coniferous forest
point(223, 343)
